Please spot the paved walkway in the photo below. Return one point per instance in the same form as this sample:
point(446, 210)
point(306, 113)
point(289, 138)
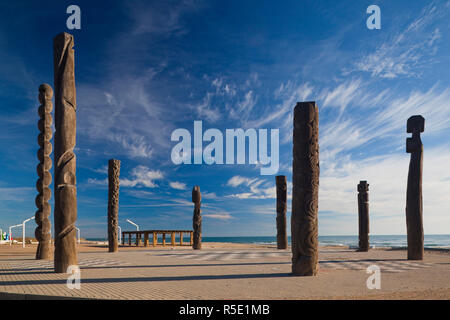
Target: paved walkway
point(181, 273)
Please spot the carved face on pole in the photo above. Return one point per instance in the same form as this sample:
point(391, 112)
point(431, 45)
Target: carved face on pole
point(415, 125)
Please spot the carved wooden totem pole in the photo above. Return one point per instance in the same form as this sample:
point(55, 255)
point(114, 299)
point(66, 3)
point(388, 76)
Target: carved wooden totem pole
point(281, 212)
point(197, 219)
point(65, 213)
point(414, 207)
point(113, 204)
point(363, 213)
point(305, 190)
point(42, 232)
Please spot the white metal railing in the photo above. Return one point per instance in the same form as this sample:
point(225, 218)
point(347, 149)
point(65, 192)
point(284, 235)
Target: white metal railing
point(78, 232)
point(17, 225)
point(23, 230)
point(137, 227)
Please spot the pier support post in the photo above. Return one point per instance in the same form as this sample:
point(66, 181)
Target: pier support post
point(414, 205)
point(305, 190)
point(145, 239)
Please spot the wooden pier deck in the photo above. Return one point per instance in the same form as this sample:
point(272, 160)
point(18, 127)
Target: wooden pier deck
point(145, 235)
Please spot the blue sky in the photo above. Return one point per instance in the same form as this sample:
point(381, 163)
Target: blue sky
point(146, 68)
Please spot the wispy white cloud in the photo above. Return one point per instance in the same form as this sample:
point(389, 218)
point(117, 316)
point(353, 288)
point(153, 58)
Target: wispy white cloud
point(205, 110)
point(346, 134)
point(247, 104)
point(222, 87)
point(141, 194)
point(407, 51)
point(98, 182)
point(218, 216)
point(136, 145)
point(16, 193)
point(227, 100)
point(340, 96)
point(168, 202)
point(120, 115)
point(289, 93)
point(161, 18)
point(178, 185)
point(142, 175)
point(255, 188)
point(102, 169)
point(237, 180)
point(209, 195)
point(387, 177)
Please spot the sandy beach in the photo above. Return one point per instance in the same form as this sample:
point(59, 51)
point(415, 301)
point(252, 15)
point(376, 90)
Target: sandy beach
point(224, 271)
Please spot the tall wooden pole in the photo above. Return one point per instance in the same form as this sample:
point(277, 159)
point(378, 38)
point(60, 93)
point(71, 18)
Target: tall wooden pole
point(197, 219)
point(281, 211)
point(65, 213)
point(305, 190)
point(42, 232)
point(113, 204)
point(414, 205)
point(363, 215)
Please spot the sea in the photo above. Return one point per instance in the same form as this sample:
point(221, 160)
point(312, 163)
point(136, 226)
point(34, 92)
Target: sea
point(393, 241)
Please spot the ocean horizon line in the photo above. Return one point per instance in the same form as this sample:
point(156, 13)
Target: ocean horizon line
point(393, 241)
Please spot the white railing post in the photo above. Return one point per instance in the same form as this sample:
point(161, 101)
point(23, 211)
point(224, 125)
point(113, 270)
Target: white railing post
point(137, 227)
point(79, 238)
point(23, 231)
point(10, 232)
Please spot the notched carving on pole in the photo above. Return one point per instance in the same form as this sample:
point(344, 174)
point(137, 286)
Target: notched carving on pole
point(43, 229)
